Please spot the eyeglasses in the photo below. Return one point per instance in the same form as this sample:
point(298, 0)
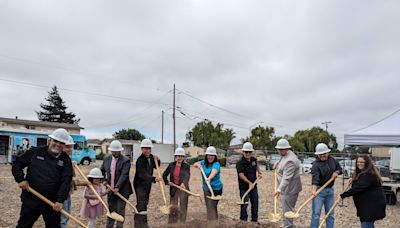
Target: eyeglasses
point(248, 152)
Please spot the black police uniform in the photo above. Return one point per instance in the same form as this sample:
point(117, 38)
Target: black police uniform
point(249, 169)
point(50, 176)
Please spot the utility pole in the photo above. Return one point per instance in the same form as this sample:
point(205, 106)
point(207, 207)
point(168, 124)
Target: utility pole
point(173, 117)
point(326, 124)
point(162, 126)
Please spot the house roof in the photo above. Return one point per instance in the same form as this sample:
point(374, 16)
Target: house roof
point(40, 123)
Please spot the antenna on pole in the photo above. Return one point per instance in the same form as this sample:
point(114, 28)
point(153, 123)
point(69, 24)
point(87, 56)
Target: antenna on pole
point(326, 124)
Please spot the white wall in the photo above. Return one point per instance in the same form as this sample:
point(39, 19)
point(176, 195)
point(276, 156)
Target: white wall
point(164, 151)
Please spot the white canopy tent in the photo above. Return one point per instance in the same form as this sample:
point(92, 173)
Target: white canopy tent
point(385, 132)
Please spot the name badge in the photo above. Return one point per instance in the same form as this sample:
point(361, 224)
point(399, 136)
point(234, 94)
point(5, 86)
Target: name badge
point(60, 163)
point(40, 158)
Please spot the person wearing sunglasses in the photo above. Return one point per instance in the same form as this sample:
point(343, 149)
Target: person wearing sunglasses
point(248, 170)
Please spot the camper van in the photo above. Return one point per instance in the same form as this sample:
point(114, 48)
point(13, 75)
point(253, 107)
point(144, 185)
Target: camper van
point(15, 142)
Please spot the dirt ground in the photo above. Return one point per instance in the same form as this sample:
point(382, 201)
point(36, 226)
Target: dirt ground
point(345, 216)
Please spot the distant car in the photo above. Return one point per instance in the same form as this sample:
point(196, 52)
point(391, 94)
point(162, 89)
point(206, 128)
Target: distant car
point(273, 158)
point(232, 160)
point(348, 167)
point(383, 167)
point(307, 164)
point(385, 162)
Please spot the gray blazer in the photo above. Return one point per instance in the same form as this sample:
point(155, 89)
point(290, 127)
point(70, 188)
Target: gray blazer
point(288, 170)
point(122, 181)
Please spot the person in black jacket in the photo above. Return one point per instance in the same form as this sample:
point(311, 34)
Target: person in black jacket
point(367, 192)
point(143, 179)
point(323, 169)
point(179, 174)
point(49, 173)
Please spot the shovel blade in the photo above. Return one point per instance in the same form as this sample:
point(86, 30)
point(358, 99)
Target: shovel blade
point(274, 217)
point(291, 214)
point(164, 209)
point(215, 197)
point(115, 216)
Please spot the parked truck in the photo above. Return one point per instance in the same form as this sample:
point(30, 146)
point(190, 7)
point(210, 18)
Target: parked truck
point(14, 142)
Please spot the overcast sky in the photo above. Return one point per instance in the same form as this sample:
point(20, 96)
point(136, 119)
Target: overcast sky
point(290, 64)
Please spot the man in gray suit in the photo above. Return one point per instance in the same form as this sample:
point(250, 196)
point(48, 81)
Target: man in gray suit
point(288, 170)
point(116, 169)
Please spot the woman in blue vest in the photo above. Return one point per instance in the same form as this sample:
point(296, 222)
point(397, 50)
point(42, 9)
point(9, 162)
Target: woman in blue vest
point(212, 169)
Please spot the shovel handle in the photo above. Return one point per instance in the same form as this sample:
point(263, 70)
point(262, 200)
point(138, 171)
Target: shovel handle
point(275, 187)
point(208, 183)
point(124, 199)
point(91, 187)
point(248, 190)
point(40, 196)
point(329, 212)
point(313, 196)
point(184, 189)
point(161, 184)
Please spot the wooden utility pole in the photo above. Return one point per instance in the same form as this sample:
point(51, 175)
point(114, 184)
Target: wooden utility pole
point(162, 126)
point(326, 124)
point(173, 117)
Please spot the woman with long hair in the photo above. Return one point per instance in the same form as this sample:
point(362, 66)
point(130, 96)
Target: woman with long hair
point(367, 192)
point(212, 169)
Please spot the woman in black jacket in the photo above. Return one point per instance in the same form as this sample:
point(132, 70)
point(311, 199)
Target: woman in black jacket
point(179, 174)
point(367, 192)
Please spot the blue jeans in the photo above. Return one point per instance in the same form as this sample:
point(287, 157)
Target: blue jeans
point(253, 195)
point(325, 198)
point(67, 208)
point(367, 225)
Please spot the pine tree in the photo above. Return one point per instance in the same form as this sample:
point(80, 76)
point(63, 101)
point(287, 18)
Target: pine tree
point(55, 110)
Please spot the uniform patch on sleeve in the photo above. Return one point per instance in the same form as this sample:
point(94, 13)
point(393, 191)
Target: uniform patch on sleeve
point(40, 158)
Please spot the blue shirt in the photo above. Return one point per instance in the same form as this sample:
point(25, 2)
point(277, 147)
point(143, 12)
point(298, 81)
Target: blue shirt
point(215, 183)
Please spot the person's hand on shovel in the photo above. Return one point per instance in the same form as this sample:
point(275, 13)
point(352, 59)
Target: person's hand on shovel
point(183, 186)
point(197, 165)
point(277, 194)
point(58, 206)
point(314, 190)
point(338, 197)
point(23, 185)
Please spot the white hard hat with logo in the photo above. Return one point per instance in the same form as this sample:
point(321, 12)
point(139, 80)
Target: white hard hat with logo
point(282, 144)
point(247, 147)
point(60, 135)
point(95, 173)
point(115, 145)
point(146, 143)
point(211, 151)
point(321, 148)
point(179, 152)
point(70, 141)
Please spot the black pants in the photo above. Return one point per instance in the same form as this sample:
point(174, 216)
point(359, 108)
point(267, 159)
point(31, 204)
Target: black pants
point(142, 199)
point(253, 195)
point(115, 204)
point(178, 212)
point(212, 205)
point(30, 212)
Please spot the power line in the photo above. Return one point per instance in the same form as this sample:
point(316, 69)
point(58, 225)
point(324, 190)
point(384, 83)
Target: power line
point(81, 92)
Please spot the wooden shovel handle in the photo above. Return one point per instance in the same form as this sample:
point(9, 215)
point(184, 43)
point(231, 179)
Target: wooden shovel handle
point(183, 189)
point(313, 196)
point(40, 196)
point(124, 199)
point(248, 190)
point(275, 187)
point(208, 183)
point(161, 184)
point(329, 212)
point(91, 187)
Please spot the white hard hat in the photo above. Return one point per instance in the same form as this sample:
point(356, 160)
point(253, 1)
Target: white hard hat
point(95, 173)
point(247, 147)
point(180, 152)
point(146, 143)
point(282, 144)
point(321, 148)
point(70, 141)
point(211, 151)
point(60, 135)
point(115, 145)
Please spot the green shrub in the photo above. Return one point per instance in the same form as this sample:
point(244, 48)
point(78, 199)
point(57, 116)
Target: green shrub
point(100, 156)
